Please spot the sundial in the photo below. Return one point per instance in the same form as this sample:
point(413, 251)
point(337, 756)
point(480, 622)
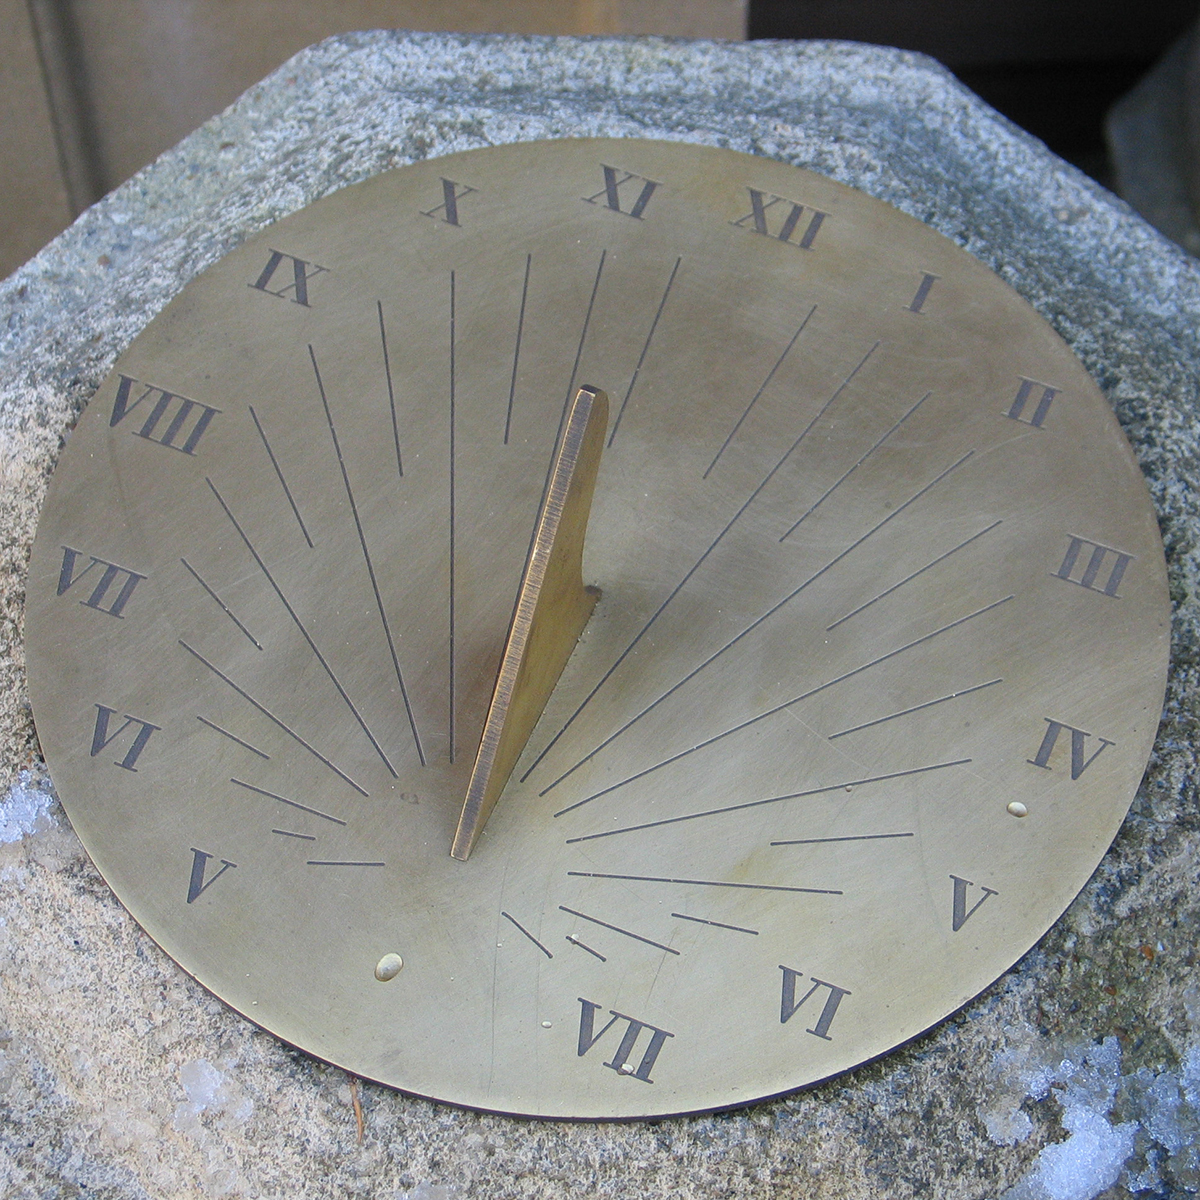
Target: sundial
point(597, 628)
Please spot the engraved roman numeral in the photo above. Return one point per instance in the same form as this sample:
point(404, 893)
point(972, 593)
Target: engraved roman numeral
point(188, 418)
point(1021, 401)
point(629, 1039)
point(962, 914)
point(1085, 569)
point(1080, 759)
point(122, 578)
point(788, 1004)
point(612, 192)
point(761, 204)
point(197, 884)
point(302, 272)
point(922, 294)
point(101, 737)
point(452, 193)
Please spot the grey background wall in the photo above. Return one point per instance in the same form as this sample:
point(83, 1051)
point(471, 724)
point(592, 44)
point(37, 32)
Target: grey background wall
point(92, 90)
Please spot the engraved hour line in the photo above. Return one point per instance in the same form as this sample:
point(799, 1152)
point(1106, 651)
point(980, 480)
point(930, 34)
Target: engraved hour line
point(233, 737)
point(287, 491)
point(510, 917)
point(340, 862)
point(728, 808)
point(642, 357)
point(587, 320)
point(637, 937)
point(451, 485)
point(788, 703)
point(909, 578)
point(387, 373)
point(917, 707)
point(761, 388)
point(856, 837)
point(716, 924)
point(362, 541)
point(584, 946)
point(759, 620)
point(512, 386)
point(753, 887)
point(316, 812)
point(694, 568)
point(304, 837)
point(304, 632)
point(224, 607)
point(850, 471)
point(266, 712)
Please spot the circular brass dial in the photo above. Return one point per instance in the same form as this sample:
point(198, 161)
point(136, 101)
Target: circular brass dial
point(879, 576)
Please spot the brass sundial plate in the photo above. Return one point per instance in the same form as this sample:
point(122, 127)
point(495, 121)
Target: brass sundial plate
point(879, 573)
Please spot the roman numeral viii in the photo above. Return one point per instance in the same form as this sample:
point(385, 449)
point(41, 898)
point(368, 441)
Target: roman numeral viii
point(784, 223)
point(171, 420)
point(629, 1039)
point(111, 589)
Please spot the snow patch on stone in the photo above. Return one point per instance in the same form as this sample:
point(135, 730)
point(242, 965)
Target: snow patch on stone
point(1140, 1130)
point(25, 808)
point(208, 1091)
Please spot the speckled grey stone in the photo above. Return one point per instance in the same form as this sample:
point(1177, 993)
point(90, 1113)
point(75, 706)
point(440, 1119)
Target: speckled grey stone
point(1078, 1074)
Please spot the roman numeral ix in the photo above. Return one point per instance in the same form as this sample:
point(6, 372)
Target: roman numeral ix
point(296, 290)
point(111, 589)
point(629, 1039)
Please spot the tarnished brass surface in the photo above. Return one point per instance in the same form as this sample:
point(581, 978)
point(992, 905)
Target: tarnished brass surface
point(879, 573)
point(553, 606)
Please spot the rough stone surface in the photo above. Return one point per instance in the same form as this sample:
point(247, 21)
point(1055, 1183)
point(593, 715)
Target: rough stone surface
point(1147, 139)
point(1077, 1075)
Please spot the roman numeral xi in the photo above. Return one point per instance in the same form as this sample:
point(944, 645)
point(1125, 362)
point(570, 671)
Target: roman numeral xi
point(622, 187)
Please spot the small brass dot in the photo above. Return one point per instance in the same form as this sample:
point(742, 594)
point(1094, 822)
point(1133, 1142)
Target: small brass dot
point(1017, 809)
point(388, 967)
